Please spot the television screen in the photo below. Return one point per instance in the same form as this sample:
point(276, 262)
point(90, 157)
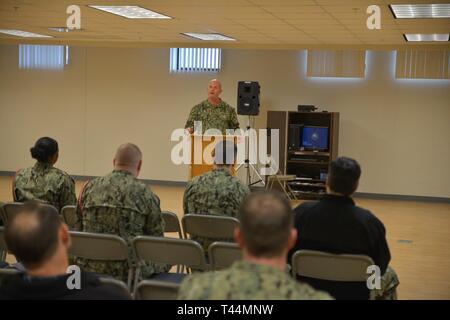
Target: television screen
point(315, 138)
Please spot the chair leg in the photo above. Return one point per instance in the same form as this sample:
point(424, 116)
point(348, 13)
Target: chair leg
point(284, 189)
point(137, 274)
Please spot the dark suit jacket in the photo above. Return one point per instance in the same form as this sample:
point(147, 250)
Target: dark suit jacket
point(336, 225)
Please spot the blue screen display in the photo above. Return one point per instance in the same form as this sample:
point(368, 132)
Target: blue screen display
point(315, 138)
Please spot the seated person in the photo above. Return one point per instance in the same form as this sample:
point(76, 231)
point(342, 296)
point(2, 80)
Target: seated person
point(39, 240)
point(336, 225)
point(216, 192)
point(265, 236)
point(43, 181)
point(120, 204)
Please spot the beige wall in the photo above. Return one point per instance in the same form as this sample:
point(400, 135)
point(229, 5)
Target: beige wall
point(398, 130)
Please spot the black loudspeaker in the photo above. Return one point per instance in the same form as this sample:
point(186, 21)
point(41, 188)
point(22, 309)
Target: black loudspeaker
point(248, 98)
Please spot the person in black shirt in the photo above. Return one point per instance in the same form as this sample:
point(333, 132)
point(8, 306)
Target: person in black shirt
point(336, 225)
point(39, 240)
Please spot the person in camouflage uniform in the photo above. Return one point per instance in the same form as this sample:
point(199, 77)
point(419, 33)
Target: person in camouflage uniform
point(216, 192)
point(214, 113)
point(120, 204)
point(44, 182)
point(265, 236)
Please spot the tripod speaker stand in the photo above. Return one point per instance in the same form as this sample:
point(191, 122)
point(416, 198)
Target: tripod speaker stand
point(246, 165)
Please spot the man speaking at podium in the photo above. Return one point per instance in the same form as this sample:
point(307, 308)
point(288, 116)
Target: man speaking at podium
point(214, 113)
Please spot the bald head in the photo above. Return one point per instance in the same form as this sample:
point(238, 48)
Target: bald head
point(214, 91)
point(215, 82)
point(128, 157)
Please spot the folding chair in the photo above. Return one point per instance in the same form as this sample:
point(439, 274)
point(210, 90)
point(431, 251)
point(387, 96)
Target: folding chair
point(208, 226)
point(96, 246)
point(2, 223)
point(223, 254)
point(117, 284)
point(156, 290)
point(167, 251)
point(281, 179)
point(283, 182)
point(172, 224)
point(3, 249)
point(6, 273)
point(69, 215)
point(332, 267)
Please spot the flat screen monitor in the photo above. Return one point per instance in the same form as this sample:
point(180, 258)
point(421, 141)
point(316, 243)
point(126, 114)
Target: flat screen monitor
point(315, 138)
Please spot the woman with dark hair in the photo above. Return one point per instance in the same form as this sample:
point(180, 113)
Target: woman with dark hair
point(43, 181)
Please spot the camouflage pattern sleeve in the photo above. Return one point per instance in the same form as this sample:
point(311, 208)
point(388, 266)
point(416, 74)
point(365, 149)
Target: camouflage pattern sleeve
point(234, 123)
point(155, 223)
point(186, 197)
point(67, 196)
point(237, 197)
point(193, 116)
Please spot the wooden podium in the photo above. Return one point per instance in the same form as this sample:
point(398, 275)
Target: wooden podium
point(202, 151)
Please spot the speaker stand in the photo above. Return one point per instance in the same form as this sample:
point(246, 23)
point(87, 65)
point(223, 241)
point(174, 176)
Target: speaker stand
point(247, 166)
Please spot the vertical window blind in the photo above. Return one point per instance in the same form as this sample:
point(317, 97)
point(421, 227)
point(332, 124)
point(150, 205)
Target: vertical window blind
point(422, 64)
point(43, 56)
point(336, 63)
point(195, 59)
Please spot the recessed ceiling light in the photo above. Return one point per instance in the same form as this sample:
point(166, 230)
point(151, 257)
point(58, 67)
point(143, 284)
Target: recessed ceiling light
point(24, 34)
point(209, 36)
point(418, 11)
point(131, 12)
point(427, 37)
point(60, 29)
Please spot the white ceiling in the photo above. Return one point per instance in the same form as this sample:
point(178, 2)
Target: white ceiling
point(254, 23)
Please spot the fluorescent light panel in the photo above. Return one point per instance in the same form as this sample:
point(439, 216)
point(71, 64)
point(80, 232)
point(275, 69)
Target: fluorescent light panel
point(23, 34)
point(60, 29)
point(209, 36)
point(131, 12)
point(420, 11)
point(427, 37)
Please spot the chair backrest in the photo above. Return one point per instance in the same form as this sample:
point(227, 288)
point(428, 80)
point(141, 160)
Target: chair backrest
point(97, 246)
point(332, 267)
point(9, 209)
point(208, 226)
point(3, 249)
point(69, 215)
point(156, 290)
point(120, 285)
point(223, 254)
point(172, 224)
point(169, 251)
point(2, 223)
point(6, 273)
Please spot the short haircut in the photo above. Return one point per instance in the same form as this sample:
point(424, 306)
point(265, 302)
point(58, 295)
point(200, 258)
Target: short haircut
point(32, 233)
point(343, 175)
point(43, 149)
point(266, 222)
point(128, 154)
point(225, 152)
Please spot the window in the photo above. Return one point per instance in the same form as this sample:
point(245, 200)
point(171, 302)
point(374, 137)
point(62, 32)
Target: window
point(195, 59)
point(43, 56)
point(422, 64)
point(336, 63)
